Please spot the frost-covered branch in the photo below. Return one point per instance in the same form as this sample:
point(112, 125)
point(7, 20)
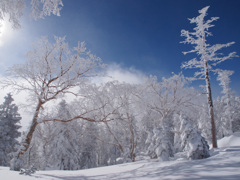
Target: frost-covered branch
point(13, 10)
point(52, 70)
point(208, 56)
point(46, 8)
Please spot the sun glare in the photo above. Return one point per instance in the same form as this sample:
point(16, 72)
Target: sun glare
point(5, 31)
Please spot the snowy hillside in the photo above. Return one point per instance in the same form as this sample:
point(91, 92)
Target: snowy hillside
point(224, 164)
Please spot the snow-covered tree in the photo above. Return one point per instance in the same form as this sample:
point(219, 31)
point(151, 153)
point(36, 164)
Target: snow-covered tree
point(223, 117)
point(208, 56)
point(61, 145)
point(75, 144)
point(88, 156)
point(227, 114)
point(125, 118)
point(192, 141)
point(41, 8)
point(63, 151)
point(51, 71)
point(116, 100)
point(224, 80)
point(9, 130)
point(160, 144)
point(160, 101)
point(13, 9)
point(203, 122)
point(235, 103)
point(227, 107)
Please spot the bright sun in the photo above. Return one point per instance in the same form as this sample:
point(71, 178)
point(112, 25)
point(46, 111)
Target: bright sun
point(5, 31)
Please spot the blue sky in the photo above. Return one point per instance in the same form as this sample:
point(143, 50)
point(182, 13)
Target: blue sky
point(135, 35)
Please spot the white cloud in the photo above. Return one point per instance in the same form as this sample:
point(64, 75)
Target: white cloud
point(121, 74)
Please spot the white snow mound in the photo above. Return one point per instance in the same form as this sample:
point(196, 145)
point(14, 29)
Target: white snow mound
point(233, 140)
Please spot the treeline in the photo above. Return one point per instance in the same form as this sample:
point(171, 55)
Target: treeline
point(127, 122)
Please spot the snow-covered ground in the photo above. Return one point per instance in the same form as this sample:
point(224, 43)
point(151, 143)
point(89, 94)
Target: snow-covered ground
point(224, 164)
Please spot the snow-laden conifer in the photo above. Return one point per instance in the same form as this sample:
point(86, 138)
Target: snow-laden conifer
point(160, 144)
point(9, 130)
point(192, 141)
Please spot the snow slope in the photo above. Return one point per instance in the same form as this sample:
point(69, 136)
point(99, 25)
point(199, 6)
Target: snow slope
point(224, 164)
point(233, 140)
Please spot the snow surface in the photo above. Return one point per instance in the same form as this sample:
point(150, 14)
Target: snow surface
point(224, 164)
point(233, 140)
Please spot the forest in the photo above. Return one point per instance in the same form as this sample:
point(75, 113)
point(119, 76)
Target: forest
point(113, 122)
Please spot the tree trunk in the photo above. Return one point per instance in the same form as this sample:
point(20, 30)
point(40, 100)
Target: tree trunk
point(210, 106)
point(209, 94)
point(27, 141)
point(132, 141)
point(17, 162)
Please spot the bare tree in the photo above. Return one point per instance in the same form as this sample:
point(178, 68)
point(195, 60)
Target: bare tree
point(51, 71)
point(207, 57)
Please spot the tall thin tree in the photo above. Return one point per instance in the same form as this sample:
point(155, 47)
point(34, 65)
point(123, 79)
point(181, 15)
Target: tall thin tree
point(207, 58)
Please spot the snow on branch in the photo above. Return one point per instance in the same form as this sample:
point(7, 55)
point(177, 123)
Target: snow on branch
point(208, 54)
point(13, 10)
point(45, 8)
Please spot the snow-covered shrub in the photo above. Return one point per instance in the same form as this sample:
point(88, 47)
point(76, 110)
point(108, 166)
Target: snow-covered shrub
point(160, 146)
point(192, 141)
point(16, 164)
